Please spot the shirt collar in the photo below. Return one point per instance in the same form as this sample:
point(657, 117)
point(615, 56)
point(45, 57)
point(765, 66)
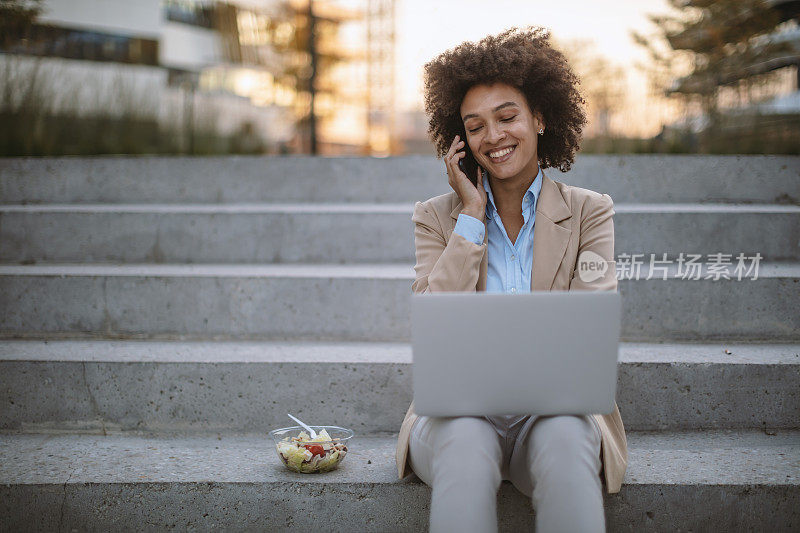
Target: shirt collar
point(529, 199)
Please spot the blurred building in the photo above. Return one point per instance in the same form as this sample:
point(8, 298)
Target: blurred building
point(238, 66)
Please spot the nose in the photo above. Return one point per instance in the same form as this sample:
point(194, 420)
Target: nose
point(494, 133)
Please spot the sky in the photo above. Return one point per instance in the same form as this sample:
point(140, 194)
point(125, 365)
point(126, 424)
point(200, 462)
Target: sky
point(426, 28)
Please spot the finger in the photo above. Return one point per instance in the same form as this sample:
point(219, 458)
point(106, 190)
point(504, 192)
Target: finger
point(454, 157)
point(455, 145)
point(453, 162)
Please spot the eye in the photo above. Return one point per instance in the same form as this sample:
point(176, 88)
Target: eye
point(474, 130)
point(509, 119)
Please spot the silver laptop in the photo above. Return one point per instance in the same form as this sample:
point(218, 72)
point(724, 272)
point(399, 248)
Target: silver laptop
point(538, 353)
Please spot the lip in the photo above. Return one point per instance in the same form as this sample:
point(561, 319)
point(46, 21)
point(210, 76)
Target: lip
point(505, 157)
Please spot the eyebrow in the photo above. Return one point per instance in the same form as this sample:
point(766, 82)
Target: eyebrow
point(498, 108)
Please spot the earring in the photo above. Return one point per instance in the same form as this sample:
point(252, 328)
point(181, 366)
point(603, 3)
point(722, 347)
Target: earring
point(541, 130)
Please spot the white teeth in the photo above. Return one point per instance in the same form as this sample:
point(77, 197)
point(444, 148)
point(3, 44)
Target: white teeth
point(501, 153)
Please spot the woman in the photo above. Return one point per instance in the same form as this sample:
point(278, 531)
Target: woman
point(512, 100)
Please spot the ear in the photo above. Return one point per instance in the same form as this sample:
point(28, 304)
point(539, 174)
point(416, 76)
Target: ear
point(539, 120)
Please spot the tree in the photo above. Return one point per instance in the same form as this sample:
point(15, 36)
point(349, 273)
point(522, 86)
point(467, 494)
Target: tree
point(708, 45)
point(603, 83)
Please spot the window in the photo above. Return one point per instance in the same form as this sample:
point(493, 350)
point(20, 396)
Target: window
point(54, 41)
point(188, 12)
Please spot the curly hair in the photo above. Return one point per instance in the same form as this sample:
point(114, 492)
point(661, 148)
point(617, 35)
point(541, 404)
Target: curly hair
point(520, 58)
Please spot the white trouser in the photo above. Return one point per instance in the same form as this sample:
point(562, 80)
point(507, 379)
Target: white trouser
point(554, 460)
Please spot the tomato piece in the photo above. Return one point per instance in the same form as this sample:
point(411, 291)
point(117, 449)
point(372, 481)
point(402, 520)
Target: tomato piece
point(315, 449)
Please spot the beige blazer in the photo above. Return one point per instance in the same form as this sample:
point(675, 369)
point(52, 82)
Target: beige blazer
point(568, 221)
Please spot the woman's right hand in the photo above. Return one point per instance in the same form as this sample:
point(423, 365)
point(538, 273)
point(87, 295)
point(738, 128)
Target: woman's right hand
point(473, 198)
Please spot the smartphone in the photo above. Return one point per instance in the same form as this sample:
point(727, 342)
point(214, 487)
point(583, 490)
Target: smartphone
point(467, 164)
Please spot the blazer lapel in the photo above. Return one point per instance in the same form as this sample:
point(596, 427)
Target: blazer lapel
point(549, 239)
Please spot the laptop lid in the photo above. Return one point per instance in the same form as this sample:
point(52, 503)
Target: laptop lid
point(542, 353)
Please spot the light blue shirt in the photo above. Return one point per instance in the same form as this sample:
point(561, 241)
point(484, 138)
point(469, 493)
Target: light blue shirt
point(509, 266)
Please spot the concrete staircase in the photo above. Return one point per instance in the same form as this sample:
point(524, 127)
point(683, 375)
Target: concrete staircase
point(159, 315)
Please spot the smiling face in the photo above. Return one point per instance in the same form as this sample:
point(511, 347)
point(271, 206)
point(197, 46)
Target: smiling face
point(502, 131)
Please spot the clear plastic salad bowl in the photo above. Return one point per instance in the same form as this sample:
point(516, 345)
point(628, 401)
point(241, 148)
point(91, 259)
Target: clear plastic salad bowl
point(302, 454)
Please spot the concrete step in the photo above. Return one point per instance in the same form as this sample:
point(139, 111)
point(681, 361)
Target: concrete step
point(347, 233)
point(101, 385)
point(368, 302)
point(695, 481)
point(627, 178)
